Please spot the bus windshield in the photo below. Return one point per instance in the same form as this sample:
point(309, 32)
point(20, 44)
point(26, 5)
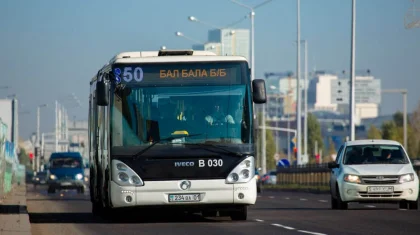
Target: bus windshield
point(211, 113)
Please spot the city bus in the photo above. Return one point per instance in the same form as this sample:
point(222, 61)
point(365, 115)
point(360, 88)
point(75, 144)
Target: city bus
point(174, 129)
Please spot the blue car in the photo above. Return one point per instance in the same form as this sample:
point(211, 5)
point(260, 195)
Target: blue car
point(66, 171)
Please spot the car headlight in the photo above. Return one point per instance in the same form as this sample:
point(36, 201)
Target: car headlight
point(352, 179)
point(79, 176)
point(243, 172)
point(53, 177)
point(406, 178)
point(124, 175)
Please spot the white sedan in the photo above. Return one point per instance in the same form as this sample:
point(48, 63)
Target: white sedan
point(373, 171)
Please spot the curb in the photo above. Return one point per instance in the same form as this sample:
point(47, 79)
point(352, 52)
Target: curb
point(14, 217)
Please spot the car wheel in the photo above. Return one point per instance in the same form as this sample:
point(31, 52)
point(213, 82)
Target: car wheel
point(51, 190)
point(413, 205)
point(340, 204)
point(333, 203)
point(241, 214)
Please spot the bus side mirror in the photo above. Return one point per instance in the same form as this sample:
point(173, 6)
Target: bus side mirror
point(258, 91)
point(102, 93)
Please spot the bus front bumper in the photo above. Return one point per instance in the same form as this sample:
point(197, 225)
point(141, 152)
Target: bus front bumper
point(169, 193)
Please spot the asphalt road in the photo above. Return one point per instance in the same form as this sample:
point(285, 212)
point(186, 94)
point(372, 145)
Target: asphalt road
point(67, 212)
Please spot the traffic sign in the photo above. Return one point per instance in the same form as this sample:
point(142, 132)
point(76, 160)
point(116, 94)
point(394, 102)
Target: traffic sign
point(365, 90)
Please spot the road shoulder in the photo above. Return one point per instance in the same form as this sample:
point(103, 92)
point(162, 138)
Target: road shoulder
point(14, 218)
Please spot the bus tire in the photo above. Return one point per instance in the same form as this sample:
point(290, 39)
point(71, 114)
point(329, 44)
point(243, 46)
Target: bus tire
point(240, 214)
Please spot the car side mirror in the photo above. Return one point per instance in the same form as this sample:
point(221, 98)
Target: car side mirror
point(258, 91)
point(332, 165)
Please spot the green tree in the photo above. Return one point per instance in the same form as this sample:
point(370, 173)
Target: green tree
point(398, 118)
point(314, 135)
point(24, 158)
point(394, 130)
point(389, 130)
point(374, 133)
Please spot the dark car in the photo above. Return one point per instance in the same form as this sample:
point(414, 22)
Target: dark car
point(258, 177)
point(66, 171)
point(40, 178)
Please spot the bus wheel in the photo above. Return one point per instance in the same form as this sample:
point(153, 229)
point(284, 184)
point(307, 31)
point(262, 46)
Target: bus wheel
point(240, 214)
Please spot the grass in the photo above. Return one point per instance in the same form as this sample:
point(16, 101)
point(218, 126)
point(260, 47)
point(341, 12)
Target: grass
point(299, 187)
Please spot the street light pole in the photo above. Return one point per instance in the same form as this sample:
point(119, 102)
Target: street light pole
point(404, 92)
point(305, 128)
point(252, 16)
point(352, 68)
point(298, 100)
point(37, 143)
point(180, 34)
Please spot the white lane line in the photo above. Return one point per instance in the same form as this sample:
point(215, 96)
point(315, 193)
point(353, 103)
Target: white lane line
point(370, 206)
point(286, 198)
point(259, 220)
point(282, 226)
point(322, 200)
point(403, 209)
point(303, 199)
point(271, 197)
point(309, 232)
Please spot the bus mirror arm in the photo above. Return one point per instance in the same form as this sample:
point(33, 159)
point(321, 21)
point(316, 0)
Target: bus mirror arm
point(258, 91)
point(102, 93)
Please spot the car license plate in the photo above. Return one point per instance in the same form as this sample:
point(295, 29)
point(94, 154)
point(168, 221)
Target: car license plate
point(380, 189)
point(184, 197)
point(42, 181)
point(65, 183)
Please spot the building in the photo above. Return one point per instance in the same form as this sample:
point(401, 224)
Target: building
point(9, 116)
point(215, 47)
point(233, 41)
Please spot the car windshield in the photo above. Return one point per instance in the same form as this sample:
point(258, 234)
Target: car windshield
point(375, 154)
point(65, 163)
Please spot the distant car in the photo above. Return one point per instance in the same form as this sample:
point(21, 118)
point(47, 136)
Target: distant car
point(270, 177)
point(66, 171)
point(373, 171)
point(258, 179)
point(40, 178)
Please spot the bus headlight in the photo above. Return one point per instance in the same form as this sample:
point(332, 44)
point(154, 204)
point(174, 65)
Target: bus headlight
point(53, 177)
point(124, 175)
point(243, 172)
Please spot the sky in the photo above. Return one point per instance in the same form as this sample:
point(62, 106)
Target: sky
point(51, 49)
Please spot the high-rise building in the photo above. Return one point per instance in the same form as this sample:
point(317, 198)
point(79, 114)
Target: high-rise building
point(233, 41)
point(215, 47)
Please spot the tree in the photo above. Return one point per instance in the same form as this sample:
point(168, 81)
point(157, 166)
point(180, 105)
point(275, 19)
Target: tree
point(314, 134)
point(374, 133)
point(398, 118)
point(389, 130)
point(24, 158)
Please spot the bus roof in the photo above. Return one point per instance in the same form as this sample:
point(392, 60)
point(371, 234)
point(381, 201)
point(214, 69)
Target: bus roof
point(167, 56)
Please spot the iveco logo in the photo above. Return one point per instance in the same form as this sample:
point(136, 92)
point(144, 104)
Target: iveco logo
point(380, 177)
point(182, 164)
point(185, 185)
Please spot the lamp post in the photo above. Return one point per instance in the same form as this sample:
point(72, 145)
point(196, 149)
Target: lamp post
point(298, 100)
point(37, 143)
point(404, 92)
point(352, 68)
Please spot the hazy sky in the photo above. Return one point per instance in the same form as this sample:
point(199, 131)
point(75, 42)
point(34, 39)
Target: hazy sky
point(50, 49)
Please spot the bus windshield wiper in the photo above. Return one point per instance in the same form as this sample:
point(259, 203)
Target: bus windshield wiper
point(170, 138)
point(206, 146)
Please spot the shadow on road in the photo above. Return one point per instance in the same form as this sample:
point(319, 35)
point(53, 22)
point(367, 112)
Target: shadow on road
point(89, 218)
point(57, 199)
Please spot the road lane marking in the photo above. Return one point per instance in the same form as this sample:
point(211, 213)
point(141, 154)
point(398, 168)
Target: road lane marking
point(309, 232)
point(282, 226)
point(287, 198)
point(303, 199)
point(322, 200)
point(271, 197)
point(259, 220)
point(370, 206)
point(403, 209)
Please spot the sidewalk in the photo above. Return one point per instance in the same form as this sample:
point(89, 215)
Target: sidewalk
point(14, 218)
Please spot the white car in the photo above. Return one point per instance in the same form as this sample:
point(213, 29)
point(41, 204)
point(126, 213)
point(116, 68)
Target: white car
point(373, 171)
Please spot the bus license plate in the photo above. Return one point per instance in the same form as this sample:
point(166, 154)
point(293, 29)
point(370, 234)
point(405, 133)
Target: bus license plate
point(184, 197)
point(65, 184)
